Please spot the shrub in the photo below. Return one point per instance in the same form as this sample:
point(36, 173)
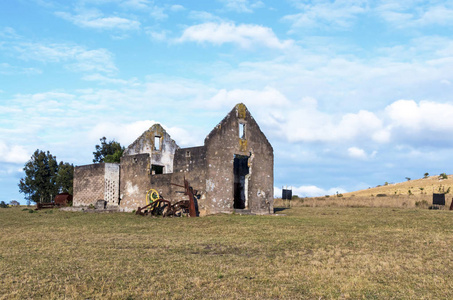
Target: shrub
point(381, 195)
point(422, 203)
point(409, 192)
point(3, 205)
point(443, 176)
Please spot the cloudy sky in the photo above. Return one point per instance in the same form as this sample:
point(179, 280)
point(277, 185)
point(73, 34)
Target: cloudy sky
point(350, 93)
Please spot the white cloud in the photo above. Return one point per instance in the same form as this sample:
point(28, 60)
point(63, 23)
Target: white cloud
point(123, 133)
point(244, 35)
point(407, 14)
point(204, 16)
point(94, 19)
point(157, 35)
point(267, 97)
point(427, 116)
point(7, 69)
point(13, 153)
point(177, 7)
point(359, 153)
point(242, 6)
point(309, 191)
point(136, 4)
point(305, 123)
point(127, 133)
point(158, 13)
point(107, 80)
point(327, 14)
point(77, 58)
point(9, 33)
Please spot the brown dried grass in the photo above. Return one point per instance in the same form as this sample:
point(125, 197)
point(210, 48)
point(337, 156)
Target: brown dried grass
point(399, 201)
point(312, 253)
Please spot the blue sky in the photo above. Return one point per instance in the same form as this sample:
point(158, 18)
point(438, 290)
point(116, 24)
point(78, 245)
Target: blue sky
point(351, 94)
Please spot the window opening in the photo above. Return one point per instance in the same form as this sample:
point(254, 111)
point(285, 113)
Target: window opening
point(157, 143)
point(240, 170)
point(187, 153)
point(156, 169)
point(242, 130)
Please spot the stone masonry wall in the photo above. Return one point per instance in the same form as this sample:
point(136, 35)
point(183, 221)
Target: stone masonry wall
point(261, 184)
point(88, 184)
point(190, 163)
point(221, 146)
point(146, 144)
point(112, 183)
point(134, 181)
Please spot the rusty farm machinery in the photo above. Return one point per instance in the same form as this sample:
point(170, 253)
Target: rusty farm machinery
point(156, 205)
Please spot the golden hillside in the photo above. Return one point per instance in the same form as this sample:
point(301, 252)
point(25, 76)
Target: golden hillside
point(423, 186)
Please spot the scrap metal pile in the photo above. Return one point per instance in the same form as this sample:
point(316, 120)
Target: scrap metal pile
point(158, 206)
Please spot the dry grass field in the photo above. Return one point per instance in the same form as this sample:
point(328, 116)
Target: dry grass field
point(311, 253)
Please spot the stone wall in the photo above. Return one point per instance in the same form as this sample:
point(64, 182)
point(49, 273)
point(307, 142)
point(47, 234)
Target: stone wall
point(222, 144)
point(210, 169)
point(190, 163)
point(112, 184)
point(134, 181)
point(162, 184)
point(96, 182)
point(88, 184)
point(160, 150)
point(261, 184)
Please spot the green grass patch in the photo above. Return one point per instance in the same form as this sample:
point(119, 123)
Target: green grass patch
point(331, 252)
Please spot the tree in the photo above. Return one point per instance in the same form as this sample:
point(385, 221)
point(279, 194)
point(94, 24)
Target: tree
point(108, 151)
point(39, 183)
point(65, 177)
point(408, 178)
point(426, 175)
point(14, 203)
point(45, 178)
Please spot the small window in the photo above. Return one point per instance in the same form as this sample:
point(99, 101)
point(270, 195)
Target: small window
point(157, 143)
point(187, 153)
point(242, 130)
point(156, 169)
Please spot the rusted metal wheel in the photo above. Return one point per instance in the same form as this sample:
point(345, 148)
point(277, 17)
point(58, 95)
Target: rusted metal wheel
point(151, 196)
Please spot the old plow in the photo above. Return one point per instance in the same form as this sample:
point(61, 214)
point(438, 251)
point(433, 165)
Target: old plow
point(158, 206)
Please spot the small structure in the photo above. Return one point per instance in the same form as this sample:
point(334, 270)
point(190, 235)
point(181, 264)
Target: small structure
point(63, 199)
point(438, 199)
point(233, 171)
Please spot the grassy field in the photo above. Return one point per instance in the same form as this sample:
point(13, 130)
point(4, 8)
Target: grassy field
point(311, 253)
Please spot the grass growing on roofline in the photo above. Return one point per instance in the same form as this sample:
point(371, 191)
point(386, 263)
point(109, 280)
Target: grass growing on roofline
point(329, 252)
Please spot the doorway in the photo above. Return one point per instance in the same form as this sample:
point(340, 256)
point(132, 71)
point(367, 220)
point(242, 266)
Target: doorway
point(240, 170)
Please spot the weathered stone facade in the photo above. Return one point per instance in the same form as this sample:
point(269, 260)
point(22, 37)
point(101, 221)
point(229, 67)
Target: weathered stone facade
point(97, 182)
point(233, 170)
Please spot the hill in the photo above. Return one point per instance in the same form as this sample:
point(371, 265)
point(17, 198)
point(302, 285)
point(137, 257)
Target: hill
point(408, 194)
point(423, 186)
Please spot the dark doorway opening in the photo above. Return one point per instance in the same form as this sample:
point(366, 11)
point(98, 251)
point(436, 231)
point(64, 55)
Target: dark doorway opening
point(156, 169)
point(240, 170)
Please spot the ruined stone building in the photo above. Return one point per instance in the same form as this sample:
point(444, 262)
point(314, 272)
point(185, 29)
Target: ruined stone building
point(233, 170)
